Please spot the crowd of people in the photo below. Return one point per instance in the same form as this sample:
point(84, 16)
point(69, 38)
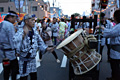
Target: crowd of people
point(24, 39)
point(27, 37)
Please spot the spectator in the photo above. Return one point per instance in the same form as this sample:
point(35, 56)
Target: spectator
point(46, 34)
point(62, 27)
point(54, 28)
point(49, 24)
point(6, 42)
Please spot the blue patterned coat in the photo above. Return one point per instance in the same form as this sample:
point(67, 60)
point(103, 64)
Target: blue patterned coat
point(24, 48)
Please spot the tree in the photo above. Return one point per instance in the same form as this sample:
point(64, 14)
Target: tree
point(76, 14)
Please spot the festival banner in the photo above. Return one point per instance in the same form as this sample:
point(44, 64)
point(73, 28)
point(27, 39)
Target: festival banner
point(2, 16)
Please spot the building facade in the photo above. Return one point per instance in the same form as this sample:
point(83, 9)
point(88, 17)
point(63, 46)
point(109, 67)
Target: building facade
point(55, 12)
point(109, 11)
point(37, 7)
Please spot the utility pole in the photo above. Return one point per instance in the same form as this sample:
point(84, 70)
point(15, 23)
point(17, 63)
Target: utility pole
point(19, 7)
point(99, 35)
point(31, 7)
point(26, 8)
point(53, 3)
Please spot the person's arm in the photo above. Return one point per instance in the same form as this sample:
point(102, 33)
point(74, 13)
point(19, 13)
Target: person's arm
point(17, 40)
point(66, 26)
point(10, 33)
point(38, 29)
point(42, 47)
point(113, 32)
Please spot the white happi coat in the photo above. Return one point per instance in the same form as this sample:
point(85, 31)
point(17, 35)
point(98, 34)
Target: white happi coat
point(103, 40)
point(114, 35)
point(24, 47)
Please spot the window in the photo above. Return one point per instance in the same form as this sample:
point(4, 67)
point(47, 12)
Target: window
point(34, 8)
point(8, 8)
point(1, 9)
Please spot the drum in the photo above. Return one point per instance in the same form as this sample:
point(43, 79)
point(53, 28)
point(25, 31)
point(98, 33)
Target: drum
point(77, 51)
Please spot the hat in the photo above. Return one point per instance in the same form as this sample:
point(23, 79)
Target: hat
point(33, 15)
point(27, 16)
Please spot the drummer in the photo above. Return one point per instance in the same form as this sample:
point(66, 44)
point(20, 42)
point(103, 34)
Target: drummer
point(26, 42)
point(105, 41)
point(114, 34)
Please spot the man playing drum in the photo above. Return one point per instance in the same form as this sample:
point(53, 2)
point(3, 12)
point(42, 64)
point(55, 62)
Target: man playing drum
point(114, 34)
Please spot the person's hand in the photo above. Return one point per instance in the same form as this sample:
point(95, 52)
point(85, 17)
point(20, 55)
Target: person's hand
point(99, 30)
point(98, 27)
point(38, 28)
point(46, 32)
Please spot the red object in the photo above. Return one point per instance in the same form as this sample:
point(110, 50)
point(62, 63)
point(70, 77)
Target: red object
point(104, 3)
point(6, 63)
point(75, 30)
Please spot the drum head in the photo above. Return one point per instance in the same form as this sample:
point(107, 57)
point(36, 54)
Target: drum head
point(69, 39)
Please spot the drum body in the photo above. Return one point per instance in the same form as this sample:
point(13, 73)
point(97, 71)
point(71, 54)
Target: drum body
point(81, 57)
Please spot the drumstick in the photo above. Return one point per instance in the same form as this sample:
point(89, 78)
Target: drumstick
point(57, 44)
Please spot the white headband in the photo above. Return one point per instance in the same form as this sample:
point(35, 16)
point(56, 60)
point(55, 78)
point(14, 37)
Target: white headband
point(12, 14)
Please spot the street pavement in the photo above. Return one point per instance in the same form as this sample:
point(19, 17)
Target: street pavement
point(105, 70)
point(49, 69)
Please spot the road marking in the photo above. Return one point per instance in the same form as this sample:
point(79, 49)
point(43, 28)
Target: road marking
point(37, 58)
point(18, 58)
point(64, 61)
point(1, 68)
point(18, 76)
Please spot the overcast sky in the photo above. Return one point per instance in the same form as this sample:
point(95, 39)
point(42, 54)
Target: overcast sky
point(72, 6)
